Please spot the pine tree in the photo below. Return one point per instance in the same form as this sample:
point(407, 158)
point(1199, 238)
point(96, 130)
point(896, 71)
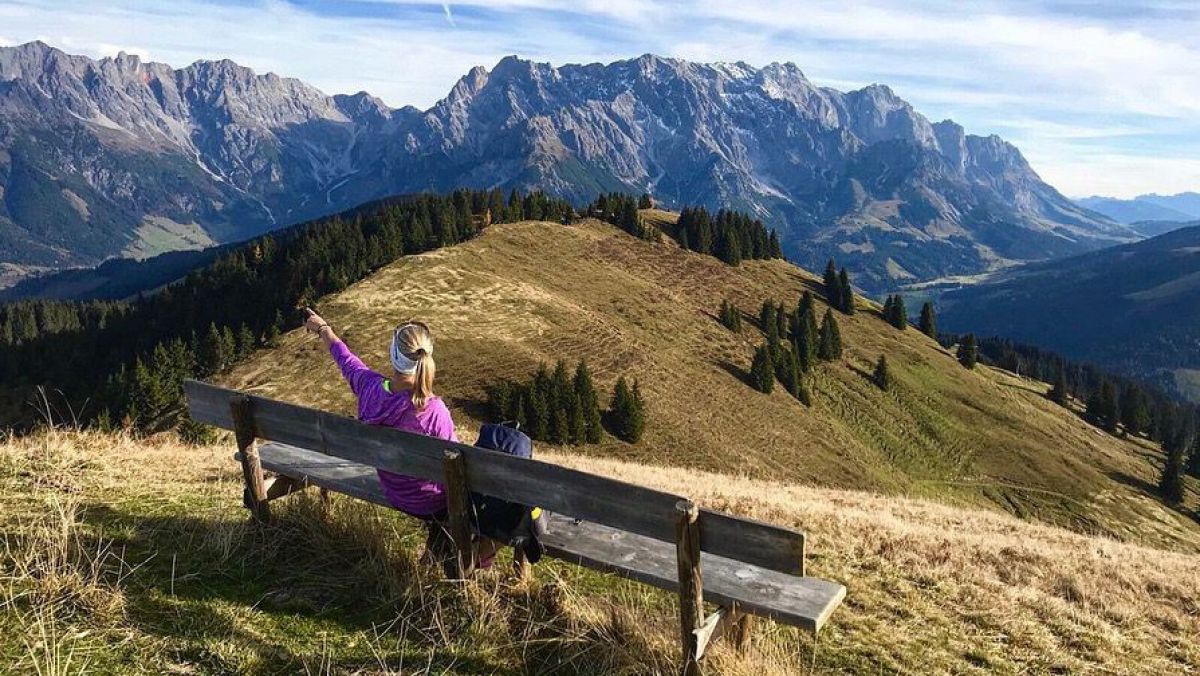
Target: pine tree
point(246, 342)
point(928, 324)
point(538, 411)
point(228, 347)
point(1109, 411)
point(766, 317)
point(846, 294)
point(560, 426)
point(762, 371)
point(730, 317)
point(882, 378)
point(645, 201)
point(212, 356)
point(806, 339)
point(589, 402)
point(500, 400)
point(829, 343)
point(576, 420)
point(1193, 464)
point(1177, 443)
point(887, 308)
point(833, 285)
point(1135, 415)
point(561, 386)
point(787, 371)
point(637, 422)
point(626, 411)
point(968, 351)
point(899, 313)
point(1058, 393)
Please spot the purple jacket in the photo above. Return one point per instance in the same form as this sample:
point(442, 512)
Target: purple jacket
point(379, 405)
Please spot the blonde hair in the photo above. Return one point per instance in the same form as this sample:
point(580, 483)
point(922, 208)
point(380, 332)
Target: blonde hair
point(416, 342)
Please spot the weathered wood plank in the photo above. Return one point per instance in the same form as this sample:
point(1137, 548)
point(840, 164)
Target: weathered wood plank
point(558, 489)
point(762, 544)
point(800, 601)
point(458, 505)
point(804, 602)
point(691, 590)
point(283, 486)
point(241, 411)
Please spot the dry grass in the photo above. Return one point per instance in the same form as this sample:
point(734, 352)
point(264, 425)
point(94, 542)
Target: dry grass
point(536, 292)
point(135, 556)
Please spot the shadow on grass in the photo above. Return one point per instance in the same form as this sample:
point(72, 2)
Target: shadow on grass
point(741, 374)
point(341, 586)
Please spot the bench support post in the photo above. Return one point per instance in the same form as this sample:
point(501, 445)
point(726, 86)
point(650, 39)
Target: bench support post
point(458, 504)
point(691, 587)
point(244, 430)
point(522, 569)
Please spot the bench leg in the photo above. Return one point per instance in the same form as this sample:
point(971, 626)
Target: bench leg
point(740, 636)
point(458, 507)
point(691, 587)
point(244, 428)
point(522, 569)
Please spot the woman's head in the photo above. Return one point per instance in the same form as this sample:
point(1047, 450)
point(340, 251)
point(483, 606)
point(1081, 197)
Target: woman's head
point(412, 356)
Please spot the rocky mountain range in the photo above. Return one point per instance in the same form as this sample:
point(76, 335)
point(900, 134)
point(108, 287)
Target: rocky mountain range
point(120, 157)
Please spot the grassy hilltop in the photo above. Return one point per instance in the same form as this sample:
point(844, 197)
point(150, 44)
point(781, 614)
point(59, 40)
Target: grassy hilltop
point(125, 555)
point(535, 292)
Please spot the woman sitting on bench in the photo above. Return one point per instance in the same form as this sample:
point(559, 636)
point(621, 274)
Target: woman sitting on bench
point(406, 402)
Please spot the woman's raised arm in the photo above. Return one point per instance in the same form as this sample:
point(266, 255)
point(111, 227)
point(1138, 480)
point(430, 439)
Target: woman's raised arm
point(313, 322)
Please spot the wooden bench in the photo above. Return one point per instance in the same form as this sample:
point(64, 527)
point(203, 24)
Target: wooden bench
point(745, 567)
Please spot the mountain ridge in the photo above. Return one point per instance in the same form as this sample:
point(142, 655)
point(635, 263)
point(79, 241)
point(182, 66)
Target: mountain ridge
point(1151, 214)
point(132, 157)
point(1130, 308)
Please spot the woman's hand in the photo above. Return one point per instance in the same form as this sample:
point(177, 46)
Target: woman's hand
point(313, 321)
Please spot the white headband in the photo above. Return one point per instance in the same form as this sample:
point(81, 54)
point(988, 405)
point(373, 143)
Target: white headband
point(400, 361)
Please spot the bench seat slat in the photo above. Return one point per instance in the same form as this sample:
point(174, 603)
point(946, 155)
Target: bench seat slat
point(800, 601)
point(560, 489)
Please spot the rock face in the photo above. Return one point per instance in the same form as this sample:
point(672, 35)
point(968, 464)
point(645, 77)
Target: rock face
point(103, 157)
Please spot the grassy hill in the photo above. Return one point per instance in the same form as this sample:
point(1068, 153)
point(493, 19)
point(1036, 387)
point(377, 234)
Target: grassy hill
point(126, 555)
point(134, 556)
point(535, 292)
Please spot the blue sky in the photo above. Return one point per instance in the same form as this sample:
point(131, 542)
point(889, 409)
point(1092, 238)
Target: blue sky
point(1102, 97)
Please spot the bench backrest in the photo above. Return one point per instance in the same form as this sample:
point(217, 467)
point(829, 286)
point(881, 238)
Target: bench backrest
point(570, 492)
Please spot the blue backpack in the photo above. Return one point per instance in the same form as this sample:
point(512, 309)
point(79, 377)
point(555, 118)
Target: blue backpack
point(512, 523)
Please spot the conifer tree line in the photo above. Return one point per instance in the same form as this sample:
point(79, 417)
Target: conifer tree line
point(895, 313)
point(622, 211)
point(793, 345)
point(730, 317)
point(838, 290)
point(124, 361)
point(1126, 404)
point(554, 407)
point(730, 236)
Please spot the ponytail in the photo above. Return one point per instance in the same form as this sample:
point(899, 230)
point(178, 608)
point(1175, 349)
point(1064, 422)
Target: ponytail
point(423, 378)
point(412, 354)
